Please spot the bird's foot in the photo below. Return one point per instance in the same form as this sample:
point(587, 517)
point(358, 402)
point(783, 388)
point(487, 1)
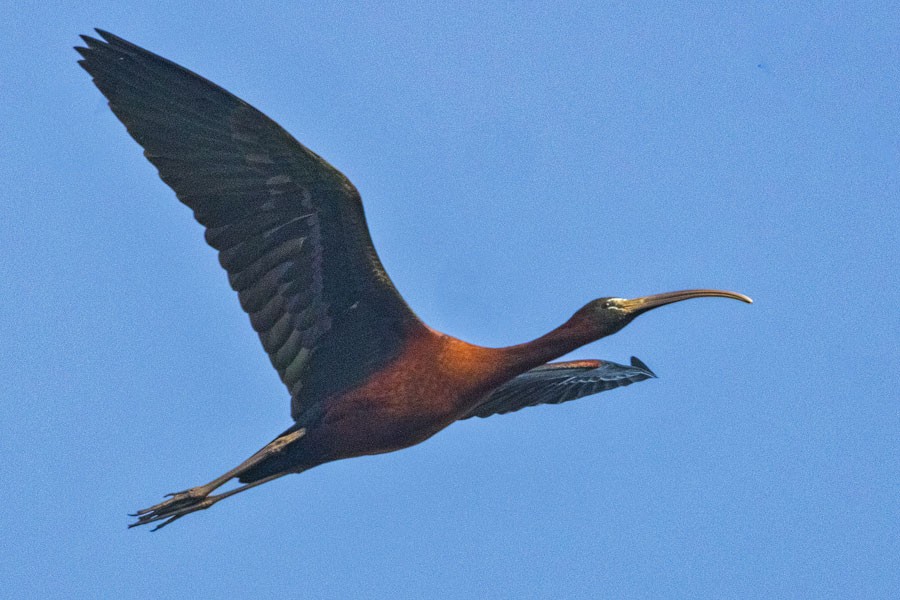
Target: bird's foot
point(178, 505)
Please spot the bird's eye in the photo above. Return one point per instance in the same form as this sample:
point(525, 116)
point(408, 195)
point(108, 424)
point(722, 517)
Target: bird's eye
point(611, 305)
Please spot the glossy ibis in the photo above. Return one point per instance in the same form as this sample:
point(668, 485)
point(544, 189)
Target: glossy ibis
point(365, 375)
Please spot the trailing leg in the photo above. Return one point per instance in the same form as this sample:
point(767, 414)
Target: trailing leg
point(198, 498)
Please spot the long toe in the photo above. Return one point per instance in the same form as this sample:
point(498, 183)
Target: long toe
point(178, 505)
point(178, 499)
point(171, 510)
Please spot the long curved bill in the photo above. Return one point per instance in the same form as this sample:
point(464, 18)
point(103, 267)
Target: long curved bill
point(637, 306)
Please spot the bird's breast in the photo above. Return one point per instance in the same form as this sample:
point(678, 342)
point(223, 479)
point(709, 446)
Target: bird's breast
point(434, 381)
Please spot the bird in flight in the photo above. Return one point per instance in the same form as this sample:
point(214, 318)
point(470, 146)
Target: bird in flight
point(365, 374)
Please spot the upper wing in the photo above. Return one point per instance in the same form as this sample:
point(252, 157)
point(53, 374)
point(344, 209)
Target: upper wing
point(288, 226)
point(555, 383)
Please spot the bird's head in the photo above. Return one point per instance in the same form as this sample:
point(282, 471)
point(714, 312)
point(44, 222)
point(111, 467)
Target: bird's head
point(606, 316)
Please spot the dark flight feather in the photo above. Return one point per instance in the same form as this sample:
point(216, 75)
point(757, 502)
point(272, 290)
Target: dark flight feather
point(289, 227)
point(559, 382)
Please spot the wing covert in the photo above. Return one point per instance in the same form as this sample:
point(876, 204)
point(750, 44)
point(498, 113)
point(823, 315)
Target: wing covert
point(289, 228)
point(555, 383)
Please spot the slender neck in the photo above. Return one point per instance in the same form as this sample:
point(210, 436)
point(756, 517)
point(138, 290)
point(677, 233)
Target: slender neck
point(572, 334)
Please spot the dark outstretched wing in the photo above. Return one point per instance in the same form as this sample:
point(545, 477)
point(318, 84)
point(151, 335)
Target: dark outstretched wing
point(555, 383)
point(288, 226)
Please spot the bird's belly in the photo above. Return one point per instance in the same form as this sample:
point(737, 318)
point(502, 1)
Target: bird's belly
point(372, 425)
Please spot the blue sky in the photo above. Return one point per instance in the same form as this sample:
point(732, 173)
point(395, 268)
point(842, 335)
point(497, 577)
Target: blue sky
point(515, 162)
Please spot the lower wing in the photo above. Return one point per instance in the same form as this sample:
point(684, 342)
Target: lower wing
point(555, 383)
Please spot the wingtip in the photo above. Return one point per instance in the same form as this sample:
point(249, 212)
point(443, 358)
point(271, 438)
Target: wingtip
point(636, 362)
point(90, 42)
point(109, 37)
point(106, 39)
point(114, 40)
